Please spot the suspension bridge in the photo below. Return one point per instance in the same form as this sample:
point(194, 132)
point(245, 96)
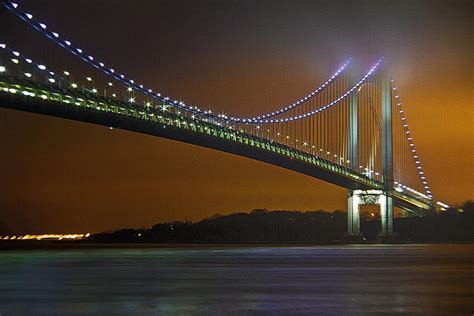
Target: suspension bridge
point(351, 133)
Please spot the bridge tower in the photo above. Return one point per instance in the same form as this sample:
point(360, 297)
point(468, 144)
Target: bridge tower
point(383, 198)
point(386, 208)
point(353, 218)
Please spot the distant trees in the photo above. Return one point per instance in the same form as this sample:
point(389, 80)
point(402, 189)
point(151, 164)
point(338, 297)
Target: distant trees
point(452, 225)
point(263, 226)
point(258, 226)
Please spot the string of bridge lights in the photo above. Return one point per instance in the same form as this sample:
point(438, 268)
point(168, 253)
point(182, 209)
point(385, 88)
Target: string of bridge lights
point(16, 60)
point(325, 107)
point(54, 36)
point(307, 97)
point(27, 17)
point(409, 138)
point(73, 85)
point(261, 119)
point(52, 76)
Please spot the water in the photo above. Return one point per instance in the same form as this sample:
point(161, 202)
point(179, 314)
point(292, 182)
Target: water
point(413, 279)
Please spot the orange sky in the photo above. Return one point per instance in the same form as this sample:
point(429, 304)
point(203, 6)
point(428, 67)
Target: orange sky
point(246, 57)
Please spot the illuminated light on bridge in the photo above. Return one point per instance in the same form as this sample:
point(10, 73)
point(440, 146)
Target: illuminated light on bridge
point(443, 205)
point(353, 134)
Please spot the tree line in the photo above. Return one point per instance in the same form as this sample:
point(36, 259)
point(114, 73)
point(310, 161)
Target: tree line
point(263, 226)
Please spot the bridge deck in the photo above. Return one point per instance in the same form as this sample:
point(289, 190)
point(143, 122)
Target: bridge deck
point(84, 106)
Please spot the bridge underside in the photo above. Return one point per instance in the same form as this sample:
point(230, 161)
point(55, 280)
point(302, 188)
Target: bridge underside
point(88, 115)
point(91, 115)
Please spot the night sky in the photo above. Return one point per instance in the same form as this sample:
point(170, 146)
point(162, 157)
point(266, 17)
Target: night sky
point(240, 57)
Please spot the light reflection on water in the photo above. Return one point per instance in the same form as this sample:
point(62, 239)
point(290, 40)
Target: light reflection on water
point(424, 279)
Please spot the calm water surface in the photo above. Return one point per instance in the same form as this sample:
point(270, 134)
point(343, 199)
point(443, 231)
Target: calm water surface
point(339, 280)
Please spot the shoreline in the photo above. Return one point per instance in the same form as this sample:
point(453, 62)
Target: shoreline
point(78, 245)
